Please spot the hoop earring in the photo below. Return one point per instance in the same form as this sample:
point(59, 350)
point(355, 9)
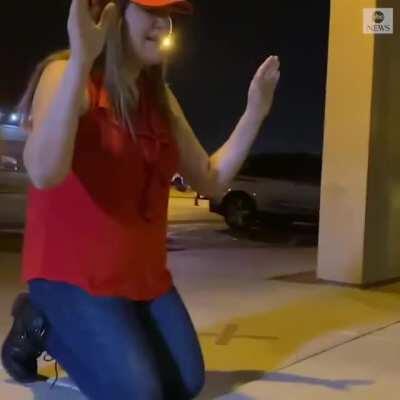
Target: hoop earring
point(171, 26)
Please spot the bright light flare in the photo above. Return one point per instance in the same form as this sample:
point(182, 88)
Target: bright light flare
point(167, 42)
point(14, 117)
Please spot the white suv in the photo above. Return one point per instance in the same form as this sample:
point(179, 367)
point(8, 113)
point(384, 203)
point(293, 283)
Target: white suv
point(272, 188)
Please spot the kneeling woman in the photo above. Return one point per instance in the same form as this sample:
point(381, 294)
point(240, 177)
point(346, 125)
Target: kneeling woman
point(106, 135)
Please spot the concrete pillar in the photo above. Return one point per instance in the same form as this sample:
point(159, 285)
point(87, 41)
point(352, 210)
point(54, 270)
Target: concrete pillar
point(359, 239)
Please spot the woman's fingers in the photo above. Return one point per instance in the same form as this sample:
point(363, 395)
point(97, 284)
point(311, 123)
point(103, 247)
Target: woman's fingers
point(108, 16)
point(93, 11)
point(270, 64)
point(87, 38)
point(80, 11)
point(269, 72)
point(96, 8)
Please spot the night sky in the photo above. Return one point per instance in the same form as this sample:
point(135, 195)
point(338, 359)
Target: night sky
point(220, 49)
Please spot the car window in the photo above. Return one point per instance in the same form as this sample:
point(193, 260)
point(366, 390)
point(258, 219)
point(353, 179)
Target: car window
point(292, 167)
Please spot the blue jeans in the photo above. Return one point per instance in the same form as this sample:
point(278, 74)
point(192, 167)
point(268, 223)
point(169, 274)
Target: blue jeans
point(114, 348)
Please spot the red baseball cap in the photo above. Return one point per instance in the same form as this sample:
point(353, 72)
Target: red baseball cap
point(177, 6)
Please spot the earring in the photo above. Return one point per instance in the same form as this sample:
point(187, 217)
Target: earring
point(167, 41)
point(171, 26)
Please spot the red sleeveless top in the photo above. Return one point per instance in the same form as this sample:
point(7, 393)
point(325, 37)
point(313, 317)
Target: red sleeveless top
point(104, 228)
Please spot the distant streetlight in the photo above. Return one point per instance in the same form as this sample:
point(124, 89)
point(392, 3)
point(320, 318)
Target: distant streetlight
point(14, 117)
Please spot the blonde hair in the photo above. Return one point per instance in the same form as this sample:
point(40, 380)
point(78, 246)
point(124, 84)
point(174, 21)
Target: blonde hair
point(116, 77)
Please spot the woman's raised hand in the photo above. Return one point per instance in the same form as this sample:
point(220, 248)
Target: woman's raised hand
point(262, 88)
point(88, 25)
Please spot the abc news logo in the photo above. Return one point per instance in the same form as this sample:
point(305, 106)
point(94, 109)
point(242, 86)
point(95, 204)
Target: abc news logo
point(378, 20)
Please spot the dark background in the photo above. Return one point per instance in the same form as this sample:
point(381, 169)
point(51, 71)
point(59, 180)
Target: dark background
point(219, 50)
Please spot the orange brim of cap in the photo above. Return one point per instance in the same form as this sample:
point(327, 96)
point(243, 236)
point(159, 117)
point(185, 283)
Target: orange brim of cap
point(177, 6)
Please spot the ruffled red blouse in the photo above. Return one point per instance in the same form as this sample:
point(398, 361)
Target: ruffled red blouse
point(104, 228)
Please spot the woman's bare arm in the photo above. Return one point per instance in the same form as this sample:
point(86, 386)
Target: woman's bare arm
point(206, 174)
point(59, 101)
point(211, 175)
point(60, 98)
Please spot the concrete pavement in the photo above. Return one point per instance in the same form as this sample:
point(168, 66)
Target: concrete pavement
point(268, 329)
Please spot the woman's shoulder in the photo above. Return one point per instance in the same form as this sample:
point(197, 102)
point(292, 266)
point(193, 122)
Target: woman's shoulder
point(51, 78)
point(53, 73)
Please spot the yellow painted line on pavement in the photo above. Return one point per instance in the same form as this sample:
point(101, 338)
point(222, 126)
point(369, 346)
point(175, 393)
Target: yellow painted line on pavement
point(308, 323)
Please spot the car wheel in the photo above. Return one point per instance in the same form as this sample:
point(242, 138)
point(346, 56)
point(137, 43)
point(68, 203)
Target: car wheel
point(239, 212)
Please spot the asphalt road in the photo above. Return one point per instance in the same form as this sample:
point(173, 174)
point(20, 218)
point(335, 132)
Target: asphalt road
point(192, 227)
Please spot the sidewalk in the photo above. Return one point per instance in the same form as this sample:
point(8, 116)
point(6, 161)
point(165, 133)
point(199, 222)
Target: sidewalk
point(365, 369)
point(291, 340)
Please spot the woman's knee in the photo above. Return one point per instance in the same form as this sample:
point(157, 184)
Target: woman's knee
point(194, 385)
point(186, 387)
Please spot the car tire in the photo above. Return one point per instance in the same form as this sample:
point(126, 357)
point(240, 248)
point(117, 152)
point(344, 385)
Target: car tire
point(239, 212)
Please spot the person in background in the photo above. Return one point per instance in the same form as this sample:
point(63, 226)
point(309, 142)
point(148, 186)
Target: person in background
point(106, 135)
